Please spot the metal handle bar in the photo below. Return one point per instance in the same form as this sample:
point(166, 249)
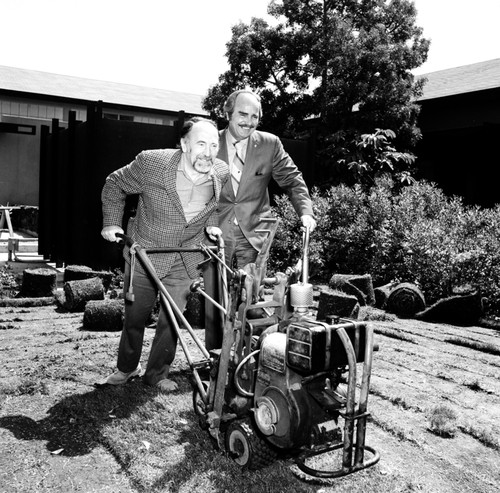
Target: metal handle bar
point(305, 259)
point(266, 220)
point(177, 249)
point(130, 242)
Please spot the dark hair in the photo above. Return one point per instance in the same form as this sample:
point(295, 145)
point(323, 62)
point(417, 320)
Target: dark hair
point(188, 125)
point(231, 101)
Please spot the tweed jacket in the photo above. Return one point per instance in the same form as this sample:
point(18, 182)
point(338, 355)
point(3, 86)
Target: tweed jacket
point(265, 159)
point(160, 220)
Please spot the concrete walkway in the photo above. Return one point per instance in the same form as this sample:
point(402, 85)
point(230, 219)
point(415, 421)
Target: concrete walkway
point(26, 257)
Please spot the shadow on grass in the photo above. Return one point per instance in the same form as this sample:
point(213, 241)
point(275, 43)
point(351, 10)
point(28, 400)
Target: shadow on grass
point(205, 467)
point(181, 452)
point(74, 425)
point(195, 462)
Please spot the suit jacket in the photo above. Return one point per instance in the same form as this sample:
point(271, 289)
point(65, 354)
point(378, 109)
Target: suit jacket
point(160, 220)
point(265, 159)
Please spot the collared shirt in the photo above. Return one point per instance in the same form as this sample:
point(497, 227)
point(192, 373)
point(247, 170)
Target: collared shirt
point(231, 154)
point(194, 194)
point(242, 147)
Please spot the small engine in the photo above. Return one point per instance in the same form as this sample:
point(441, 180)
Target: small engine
point(299, 389)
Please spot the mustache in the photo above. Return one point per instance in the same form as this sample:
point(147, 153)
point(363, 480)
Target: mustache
point(203, 164)
point(207, 159)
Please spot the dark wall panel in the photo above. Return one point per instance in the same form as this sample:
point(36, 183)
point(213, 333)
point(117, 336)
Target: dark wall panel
point(76, 163)
point(462, 162)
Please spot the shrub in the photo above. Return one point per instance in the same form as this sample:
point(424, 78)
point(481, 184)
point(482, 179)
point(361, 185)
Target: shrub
point(415, 234)
point(287, 249)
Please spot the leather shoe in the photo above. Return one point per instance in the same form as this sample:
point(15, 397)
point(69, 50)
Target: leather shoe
point(120, 377)
point(167, 385)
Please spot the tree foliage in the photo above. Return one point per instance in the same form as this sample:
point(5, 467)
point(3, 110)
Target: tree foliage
point(373, 156)
point(344, 64)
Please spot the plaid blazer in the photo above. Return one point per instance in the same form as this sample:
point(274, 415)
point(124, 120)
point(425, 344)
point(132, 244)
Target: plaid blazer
point(160, 220)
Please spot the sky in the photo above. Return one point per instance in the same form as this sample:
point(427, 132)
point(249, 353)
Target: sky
point(179, 45)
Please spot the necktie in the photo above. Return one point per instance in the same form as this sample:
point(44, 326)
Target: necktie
point(238, 163)
point(238, 160)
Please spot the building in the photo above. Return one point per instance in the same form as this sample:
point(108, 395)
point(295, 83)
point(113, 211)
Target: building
point(30, 99)
point(460, 124)
point(459, 120)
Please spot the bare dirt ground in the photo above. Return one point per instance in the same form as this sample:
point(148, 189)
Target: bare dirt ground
point(47, 359)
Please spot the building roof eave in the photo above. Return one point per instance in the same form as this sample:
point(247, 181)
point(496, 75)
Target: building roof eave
point(29, 82)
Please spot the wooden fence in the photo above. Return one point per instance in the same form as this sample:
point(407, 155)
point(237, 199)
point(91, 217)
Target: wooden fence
point(74, 163)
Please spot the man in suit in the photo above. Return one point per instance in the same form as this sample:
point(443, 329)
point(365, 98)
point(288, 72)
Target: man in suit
point(254, 157)
point(178, 192)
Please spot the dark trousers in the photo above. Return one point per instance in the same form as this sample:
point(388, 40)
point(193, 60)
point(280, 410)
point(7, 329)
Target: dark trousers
point(238, 251)
point(162, 353)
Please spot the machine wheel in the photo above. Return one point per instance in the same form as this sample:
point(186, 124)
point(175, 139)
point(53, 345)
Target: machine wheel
point(246, 448)
point(198, 404)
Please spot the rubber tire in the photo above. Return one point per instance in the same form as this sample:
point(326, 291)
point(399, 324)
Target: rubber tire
point(198, 405)
point(246, 447)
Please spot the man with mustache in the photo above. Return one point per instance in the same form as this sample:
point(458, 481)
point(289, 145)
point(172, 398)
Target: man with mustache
point(178, 192)
point(254, 157)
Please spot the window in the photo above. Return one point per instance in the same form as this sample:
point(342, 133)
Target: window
point(117, 116)
point(5, 108)
point(33, 110)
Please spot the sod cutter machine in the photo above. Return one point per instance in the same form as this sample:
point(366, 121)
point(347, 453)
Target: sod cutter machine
point(283, 384)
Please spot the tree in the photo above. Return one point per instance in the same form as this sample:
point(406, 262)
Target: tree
point(374, 156)
point(343, 64)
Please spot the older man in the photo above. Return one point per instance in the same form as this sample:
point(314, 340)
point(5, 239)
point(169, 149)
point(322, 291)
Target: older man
point(178, 194)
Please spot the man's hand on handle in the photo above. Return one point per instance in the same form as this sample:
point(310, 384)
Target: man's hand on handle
point(109, 233)
point(213, 232)
point(308, 222)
